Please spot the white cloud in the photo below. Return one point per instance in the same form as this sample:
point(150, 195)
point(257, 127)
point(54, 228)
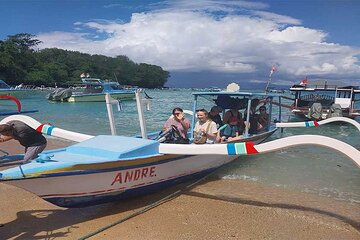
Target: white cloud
point(187, 36)
point(297, 34)
point(277, 18)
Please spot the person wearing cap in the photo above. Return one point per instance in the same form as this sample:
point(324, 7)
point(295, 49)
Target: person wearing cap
point(33, 141)
point(214, 115)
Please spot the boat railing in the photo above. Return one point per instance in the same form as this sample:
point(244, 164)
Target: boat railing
point(314, 97)
point(313, 87)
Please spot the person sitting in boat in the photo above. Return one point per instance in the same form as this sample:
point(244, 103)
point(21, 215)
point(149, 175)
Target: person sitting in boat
point(179, 121)
point(205, 129)
point(233, 115)
point(214, 115)
point(228, 132)
point(263, 119)
point(33, 141)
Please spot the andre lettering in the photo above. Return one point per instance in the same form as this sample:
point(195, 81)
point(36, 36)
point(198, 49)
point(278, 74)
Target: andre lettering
point(134, 175)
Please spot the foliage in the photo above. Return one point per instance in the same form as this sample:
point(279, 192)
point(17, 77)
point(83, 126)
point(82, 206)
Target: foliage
point(20, 62)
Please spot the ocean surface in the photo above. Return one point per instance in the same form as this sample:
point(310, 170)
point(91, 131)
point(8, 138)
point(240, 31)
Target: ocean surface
point(310, 169)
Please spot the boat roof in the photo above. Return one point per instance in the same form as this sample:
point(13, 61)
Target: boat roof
point(299, 88)
point(96, 81)
point(237, 94)
point(324, 85)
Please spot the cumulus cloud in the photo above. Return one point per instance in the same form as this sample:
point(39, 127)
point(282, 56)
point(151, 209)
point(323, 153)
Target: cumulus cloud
point(207, 35)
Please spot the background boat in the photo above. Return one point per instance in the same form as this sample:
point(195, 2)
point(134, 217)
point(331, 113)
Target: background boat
point(93, 90)
point(18, 91)
point(319, 99)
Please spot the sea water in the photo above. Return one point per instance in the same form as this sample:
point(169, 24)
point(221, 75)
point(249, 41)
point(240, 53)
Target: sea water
point(311, 169)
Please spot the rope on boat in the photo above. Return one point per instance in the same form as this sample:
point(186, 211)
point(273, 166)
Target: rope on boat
point(4, 152)
point(145, 209)
point(147, 96)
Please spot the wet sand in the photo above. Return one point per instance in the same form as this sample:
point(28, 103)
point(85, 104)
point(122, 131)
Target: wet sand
point(212, 209)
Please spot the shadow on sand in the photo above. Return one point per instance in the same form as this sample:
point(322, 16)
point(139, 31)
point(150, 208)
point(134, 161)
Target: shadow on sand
point(57, 223)
point(355, 224)
point(62, 223)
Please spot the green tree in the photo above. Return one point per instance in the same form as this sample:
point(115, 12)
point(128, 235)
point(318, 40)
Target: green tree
point(20, 62)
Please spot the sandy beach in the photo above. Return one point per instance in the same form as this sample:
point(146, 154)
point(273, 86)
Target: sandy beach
point(211, 209)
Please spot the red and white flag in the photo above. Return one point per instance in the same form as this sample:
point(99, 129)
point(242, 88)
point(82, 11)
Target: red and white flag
point(272, 70)
point(304, 82)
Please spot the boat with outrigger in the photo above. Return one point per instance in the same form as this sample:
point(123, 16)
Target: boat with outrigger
point(19, 110)
point(317, 100)
point(17, 91)
point(92, 90)
point(104, 168)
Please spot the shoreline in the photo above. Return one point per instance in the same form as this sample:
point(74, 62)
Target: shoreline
point(212, 209)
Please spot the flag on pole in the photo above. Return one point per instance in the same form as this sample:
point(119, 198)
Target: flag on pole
point(304, 82)
point(272, 70)
point(268, 82)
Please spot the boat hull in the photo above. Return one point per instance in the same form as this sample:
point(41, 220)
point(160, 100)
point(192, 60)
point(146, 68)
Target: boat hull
point(304, 114)
point(100, 97)
point(91, 187)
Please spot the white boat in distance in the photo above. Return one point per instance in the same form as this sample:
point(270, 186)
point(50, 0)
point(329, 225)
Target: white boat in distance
point(17, 91)
point(94, 90)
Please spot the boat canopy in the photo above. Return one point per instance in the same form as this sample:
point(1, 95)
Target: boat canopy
point(96, 85)
point(228, 100)
point(235, 100)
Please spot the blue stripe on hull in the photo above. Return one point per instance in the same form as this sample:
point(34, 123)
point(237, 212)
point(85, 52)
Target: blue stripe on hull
point(84, 201)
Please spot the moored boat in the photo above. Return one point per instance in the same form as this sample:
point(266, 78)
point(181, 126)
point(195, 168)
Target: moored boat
point(18, 105)
point(322, 99)
point(93, 90)
point(6, 90)
point(99, 169)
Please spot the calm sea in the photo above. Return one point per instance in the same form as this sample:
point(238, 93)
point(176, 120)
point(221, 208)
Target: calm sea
point(309, 169)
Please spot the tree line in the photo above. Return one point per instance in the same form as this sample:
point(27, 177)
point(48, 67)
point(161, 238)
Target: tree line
point(21, 62)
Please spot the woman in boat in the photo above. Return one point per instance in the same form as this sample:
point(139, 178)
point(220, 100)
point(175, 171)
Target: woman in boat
point(205, 127)
point(179, 121)
point(263, 120)
point(33, 141)
point(234, 115)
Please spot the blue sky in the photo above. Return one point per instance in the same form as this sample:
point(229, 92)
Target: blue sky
point(203, 42)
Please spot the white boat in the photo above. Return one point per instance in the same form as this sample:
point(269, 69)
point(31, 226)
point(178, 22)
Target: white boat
point(6, 90)
point(93, 90)
point(100, 169)
point(321, 100)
